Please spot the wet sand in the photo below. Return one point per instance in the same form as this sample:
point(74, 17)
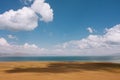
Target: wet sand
point(59, 71)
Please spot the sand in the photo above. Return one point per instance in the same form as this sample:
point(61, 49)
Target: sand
point(59, 71)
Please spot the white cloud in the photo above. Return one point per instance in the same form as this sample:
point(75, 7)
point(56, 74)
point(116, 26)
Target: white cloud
point(26, 45)
point(109, 43)
point(7, 49)
point(26, 18)
point(113, 34)
point(22, 19)
point(43, 9)
point(26, 2)
point(3, 42)
point(90, 30)
point(12, 37)
point(106, 44)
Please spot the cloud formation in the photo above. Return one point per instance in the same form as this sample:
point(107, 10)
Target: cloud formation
point(113, 35)
point(109, 43)
point(3, 42)
point(22, 19)
point(12, 36)
point(90, 30)
point(26, 49)
point(26, 45)
point(43, 9)
point(26, 2)
point(26, 18)
point(106, 44)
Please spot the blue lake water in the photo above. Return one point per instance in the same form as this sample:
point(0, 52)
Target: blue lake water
point(65, 58)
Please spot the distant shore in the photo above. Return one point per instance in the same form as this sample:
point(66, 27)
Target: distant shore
point(59, 71)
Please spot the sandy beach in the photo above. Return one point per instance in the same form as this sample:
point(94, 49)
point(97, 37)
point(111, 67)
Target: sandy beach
point(59, 71)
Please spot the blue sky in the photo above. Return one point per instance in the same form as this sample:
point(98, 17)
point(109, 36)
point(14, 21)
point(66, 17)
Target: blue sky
point(70, 21)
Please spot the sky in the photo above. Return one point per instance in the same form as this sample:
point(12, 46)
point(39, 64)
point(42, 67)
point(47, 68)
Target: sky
point(59, 27)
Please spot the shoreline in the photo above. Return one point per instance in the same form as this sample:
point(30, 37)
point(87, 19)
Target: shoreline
point(112, 59)
point(112, 62)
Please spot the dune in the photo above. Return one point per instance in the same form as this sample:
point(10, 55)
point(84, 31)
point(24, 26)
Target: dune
point(59, 71)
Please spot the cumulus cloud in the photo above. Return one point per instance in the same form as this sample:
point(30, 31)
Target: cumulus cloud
point(3, 42)
point(22, 19)
point(26, 18)
point(113, 34)
point(106, 44)
point(90, 30)
point(109, 43)
point(26, 49)
point(26, 45)
point(43, 9)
